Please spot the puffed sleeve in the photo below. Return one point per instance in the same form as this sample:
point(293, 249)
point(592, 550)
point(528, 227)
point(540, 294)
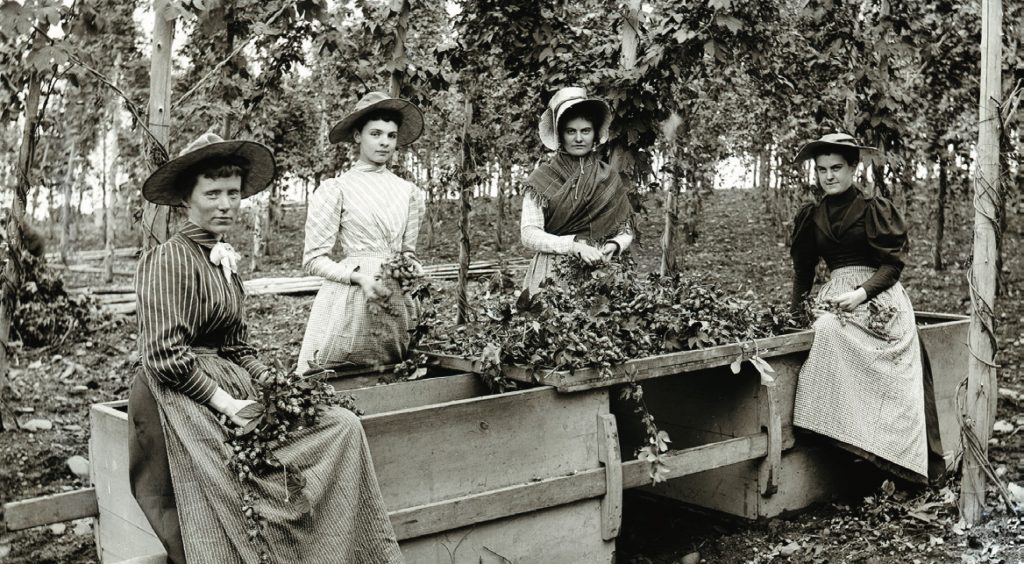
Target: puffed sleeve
point(804, 252)
point(323, 221)
point(887, 238)
point(166, 289)
point(417, 208)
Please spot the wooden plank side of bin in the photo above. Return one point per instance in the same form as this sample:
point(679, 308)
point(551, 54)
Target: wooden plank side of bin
point(122, 531)
point(945, 339)
point(569, 534)
point(417, 393)
point(643, 368)
point(432, 453)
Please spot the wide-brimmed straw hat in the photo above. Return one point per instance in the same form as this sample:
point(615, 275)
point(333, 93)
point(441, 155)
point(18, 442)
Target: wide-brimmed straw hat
point(562, 101)
point(162, 186)
point(825, 142)
point(412, 118)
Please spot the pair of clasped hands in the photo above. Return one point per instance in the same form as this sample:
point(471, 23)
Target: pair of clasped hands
point(848, 301)
point(593, 255)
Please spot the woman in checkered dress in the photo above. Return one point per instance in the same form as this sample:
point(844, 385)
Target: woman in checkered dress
point(863, 382)
point(358, 319)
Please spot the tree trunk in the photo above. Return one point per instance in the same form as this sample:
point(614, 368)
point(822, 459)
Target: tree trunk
point(668, 236)
point(622, 158)
point(432, 203)
point(398, 55)
point(467, 191)
point(66, 192)
point(982, 385)
point(12, 272)
point(504, 185)
point(156, 219)
point(940, 213)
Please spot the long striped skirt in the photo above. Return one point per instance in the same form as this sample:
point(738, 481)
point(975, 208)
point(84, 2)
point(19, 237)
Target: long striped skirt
point(862, 383)
point(348, 521)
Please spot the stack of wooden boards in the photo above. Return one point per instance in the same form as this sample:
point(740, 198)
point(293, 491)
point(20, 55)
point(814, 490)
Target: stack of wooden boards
point(121, 299)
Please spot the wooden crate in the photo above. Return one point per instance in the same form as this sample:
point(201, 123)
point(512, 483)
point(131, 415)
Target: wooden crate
point(520, 477)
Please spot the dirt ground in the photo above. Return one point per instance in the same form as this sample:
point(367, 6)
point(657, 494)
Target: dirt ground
point(738, 249)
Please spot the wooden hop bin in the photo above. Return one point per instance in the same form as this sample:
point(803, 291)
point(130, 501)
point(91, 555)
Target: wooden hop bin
point(714, 416)
point(536, 475)
point(467, 477)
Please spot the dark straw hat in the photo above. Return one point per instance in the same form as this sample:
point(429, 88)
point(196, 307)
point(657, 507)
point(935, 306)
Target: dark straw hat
point(831, 141)
point(412, 118)
point(162, 186)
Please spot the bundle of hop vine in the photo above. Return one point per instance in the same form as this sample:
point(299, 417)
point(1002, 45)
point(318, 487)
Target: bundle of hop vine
point(873, 317)
point(285, 403)
point(404, 269)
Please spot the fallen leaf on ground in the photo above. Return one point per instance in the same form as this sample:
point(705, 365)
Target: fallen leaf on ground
point(790, 549)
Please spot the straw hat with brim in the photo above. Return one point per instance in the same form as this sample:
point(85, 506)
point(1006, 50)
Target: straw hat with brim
point(822, 145)
point(562, 101)
point(162, 186)
point(412, 118)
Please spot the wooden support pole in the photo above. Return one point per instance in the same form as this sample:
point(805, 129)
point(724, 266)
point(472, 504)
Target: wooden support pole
point(115, 155)
point(156, 219)
point(464, 197)
point(982, 388)
point(622, 158)
point(398, 55)
point(11, 280)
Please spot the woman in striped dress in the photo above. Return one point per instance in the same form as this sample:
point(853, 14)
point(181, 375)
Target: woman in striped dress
point(863, 384)
point(197, 366)
point(573, 201)
point(375, 215)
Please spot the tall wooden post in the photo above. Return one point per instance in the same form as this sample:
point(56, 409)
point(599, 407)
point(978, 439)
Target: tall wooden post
point(115, 155)
point(982, 388)
point(66, 194)
point(12, 271)
point(622, 159)
point(464, 197)
point(399, 53)
point(156, 219)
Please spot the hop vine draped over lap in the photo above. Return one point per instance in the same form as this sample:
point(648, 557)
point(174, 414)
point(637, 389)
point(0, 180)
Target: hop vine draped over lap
point(192, 340)
point(861, 385)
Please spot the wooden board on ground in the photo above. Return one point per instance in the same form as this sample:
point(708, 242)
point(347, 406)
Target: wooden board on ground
point(54, 508)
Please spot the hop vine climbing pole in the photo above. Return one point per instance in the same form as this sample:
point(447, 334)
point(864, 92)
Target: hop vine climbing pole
point(155, 219)
point(465, 195)
point(982, 390)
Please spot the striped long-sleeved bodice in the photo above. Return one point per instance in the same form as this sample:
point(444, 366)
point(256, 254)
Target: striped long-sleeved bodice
point(185, 301)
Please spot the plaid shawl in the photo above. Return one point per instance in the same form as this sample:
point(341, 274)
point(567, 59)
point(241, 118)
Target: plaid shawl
point(580, 196)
